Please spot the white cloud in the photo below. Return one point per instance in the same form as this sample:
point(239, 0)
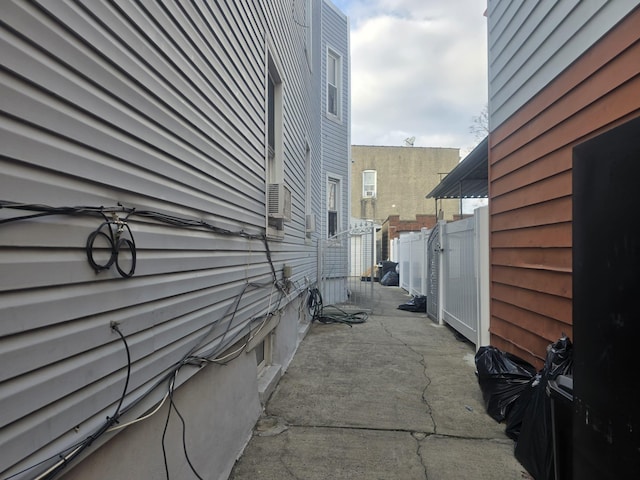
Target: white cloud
point(418, 69)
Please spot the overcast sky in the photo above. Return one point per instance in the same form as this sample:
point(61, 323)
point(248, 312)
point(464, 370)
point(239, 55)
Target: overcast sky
point(419, 69)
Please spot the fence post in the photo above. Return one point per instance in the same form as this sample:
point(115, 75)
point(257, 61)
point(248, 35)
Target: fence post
point(443, 252)
point(482, 265)
point(373, 257)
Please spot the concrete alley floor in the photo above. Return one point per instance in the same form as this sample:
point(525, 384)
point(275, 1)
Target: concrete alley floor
point(393, 398)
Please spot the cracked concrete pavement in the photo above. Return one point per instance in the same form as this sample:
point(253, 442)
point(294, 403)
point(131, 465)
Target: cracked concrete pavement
point(393, 398)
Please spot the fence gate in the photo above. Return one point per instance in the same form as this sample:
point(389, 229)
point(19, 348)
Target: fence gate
point(434, 251)
point(346, 267)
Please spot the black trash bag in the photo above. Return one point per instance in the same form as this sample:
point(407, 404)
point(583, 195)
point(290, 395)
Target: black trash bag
point(416, 304)
point(390, 279)
point(502, 378)
point(518, 409)
point(534, 448)
point(388, 266)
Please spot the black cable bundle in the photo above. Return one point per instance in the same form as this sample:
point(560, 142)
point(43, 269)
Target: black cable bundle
point(115, 241)
point(317, 308)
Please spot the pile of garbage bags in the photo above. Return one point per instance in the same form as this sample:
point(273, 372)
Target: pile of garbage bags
point(514, 393)
point(389, 276)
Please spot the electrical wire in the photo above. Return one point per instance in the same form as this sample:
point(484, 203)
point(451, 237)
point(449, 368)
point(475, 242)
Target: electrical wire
point(144, 417)
point(339, 316)
point(173, 406)
point(64, 460)
point(111, 231)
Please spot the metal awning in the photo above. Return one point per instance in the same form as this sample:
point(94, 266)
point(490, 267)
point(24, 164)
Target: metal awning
point(469, 179)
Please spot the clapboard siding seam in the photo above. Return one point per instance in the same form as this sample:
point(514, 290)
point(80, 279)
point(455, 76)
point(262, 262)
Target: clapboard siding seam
point(547, 236)
point(603, 112)
point(539, 280)
point(53, 268)
point(71, 60)
point(557, 210)
point(188, 62)
point(543, 167)
point(582, 28)
point(552, 259)
point(598, 57)
point(172, 173)
point(538, 191)
point(70, 158)
point(67, 375)
point(623, 68)
point(92, 332)
point(47, 306)
point(522, 24)
point(538, 44)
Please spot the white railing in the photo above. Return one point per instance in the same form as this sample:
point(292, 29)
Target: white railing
point(463, 273)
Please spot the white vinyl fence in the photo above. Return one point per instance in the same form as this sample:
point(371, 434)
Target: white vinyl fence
point(450, 266)
point(412, 262)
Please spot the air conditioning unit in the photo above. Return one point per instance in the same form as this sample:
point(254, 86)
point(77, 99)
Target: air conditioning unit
point(310, 224)
point(369, 193)
point(279, 201)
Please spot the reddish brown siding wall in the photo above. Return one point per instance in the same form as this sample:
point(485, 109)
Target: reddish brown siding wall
point(530, 158)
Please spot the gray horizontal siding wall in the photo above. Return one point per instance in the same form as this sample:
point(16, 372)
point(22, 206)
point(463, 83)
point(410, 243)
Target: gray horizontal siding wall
point(531, 42)
point(154, 106)
point(336, 146)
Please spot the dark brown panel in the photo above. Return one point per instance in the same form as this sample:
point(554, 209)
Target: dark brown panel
point(507, 346)
point(547, 189)
point(570, 130)
point(553, 211)
point(548, 328)
point(546, 236)
point(545, 281)
point(513, 339)
point(547, 166)
point(551, 306)
point(557, 259)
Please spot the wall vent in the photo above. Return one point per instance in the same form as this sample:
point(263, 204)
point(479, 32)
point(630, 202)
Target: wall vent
point(310, 224)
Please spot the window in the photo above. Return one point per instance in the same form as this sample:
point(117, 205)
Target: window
point(333, 202)
point(369, 179)
point(263, 353)
point(308, 23)
point(334, 72)
point(274, 123)
point(278, 196)
point(309, 218)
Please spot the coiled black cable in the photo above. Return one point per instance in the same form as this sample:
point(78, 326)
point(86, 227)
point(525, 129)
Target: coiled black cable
point(116, 243)
point(317, 309)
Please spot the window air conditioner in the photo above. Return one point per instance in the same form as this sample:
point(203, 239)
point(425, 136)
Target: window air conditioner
point(279, 201)
point(310, 225)
point(368, 193)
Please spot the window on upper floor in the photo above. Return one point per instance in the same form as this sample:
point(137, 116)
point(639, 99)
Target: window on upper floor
point(334, 87)
point(278, 195)
point(308, 23)
point(369, 184)
point(333, 203)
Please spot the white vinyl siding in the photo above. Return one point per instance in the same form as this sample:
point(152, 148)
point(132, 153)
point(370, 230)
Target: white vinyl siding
point(336, 148)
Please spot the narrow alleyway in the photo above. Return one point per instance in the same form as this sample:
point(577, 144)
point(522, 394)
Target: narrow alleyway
point(393, 398)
